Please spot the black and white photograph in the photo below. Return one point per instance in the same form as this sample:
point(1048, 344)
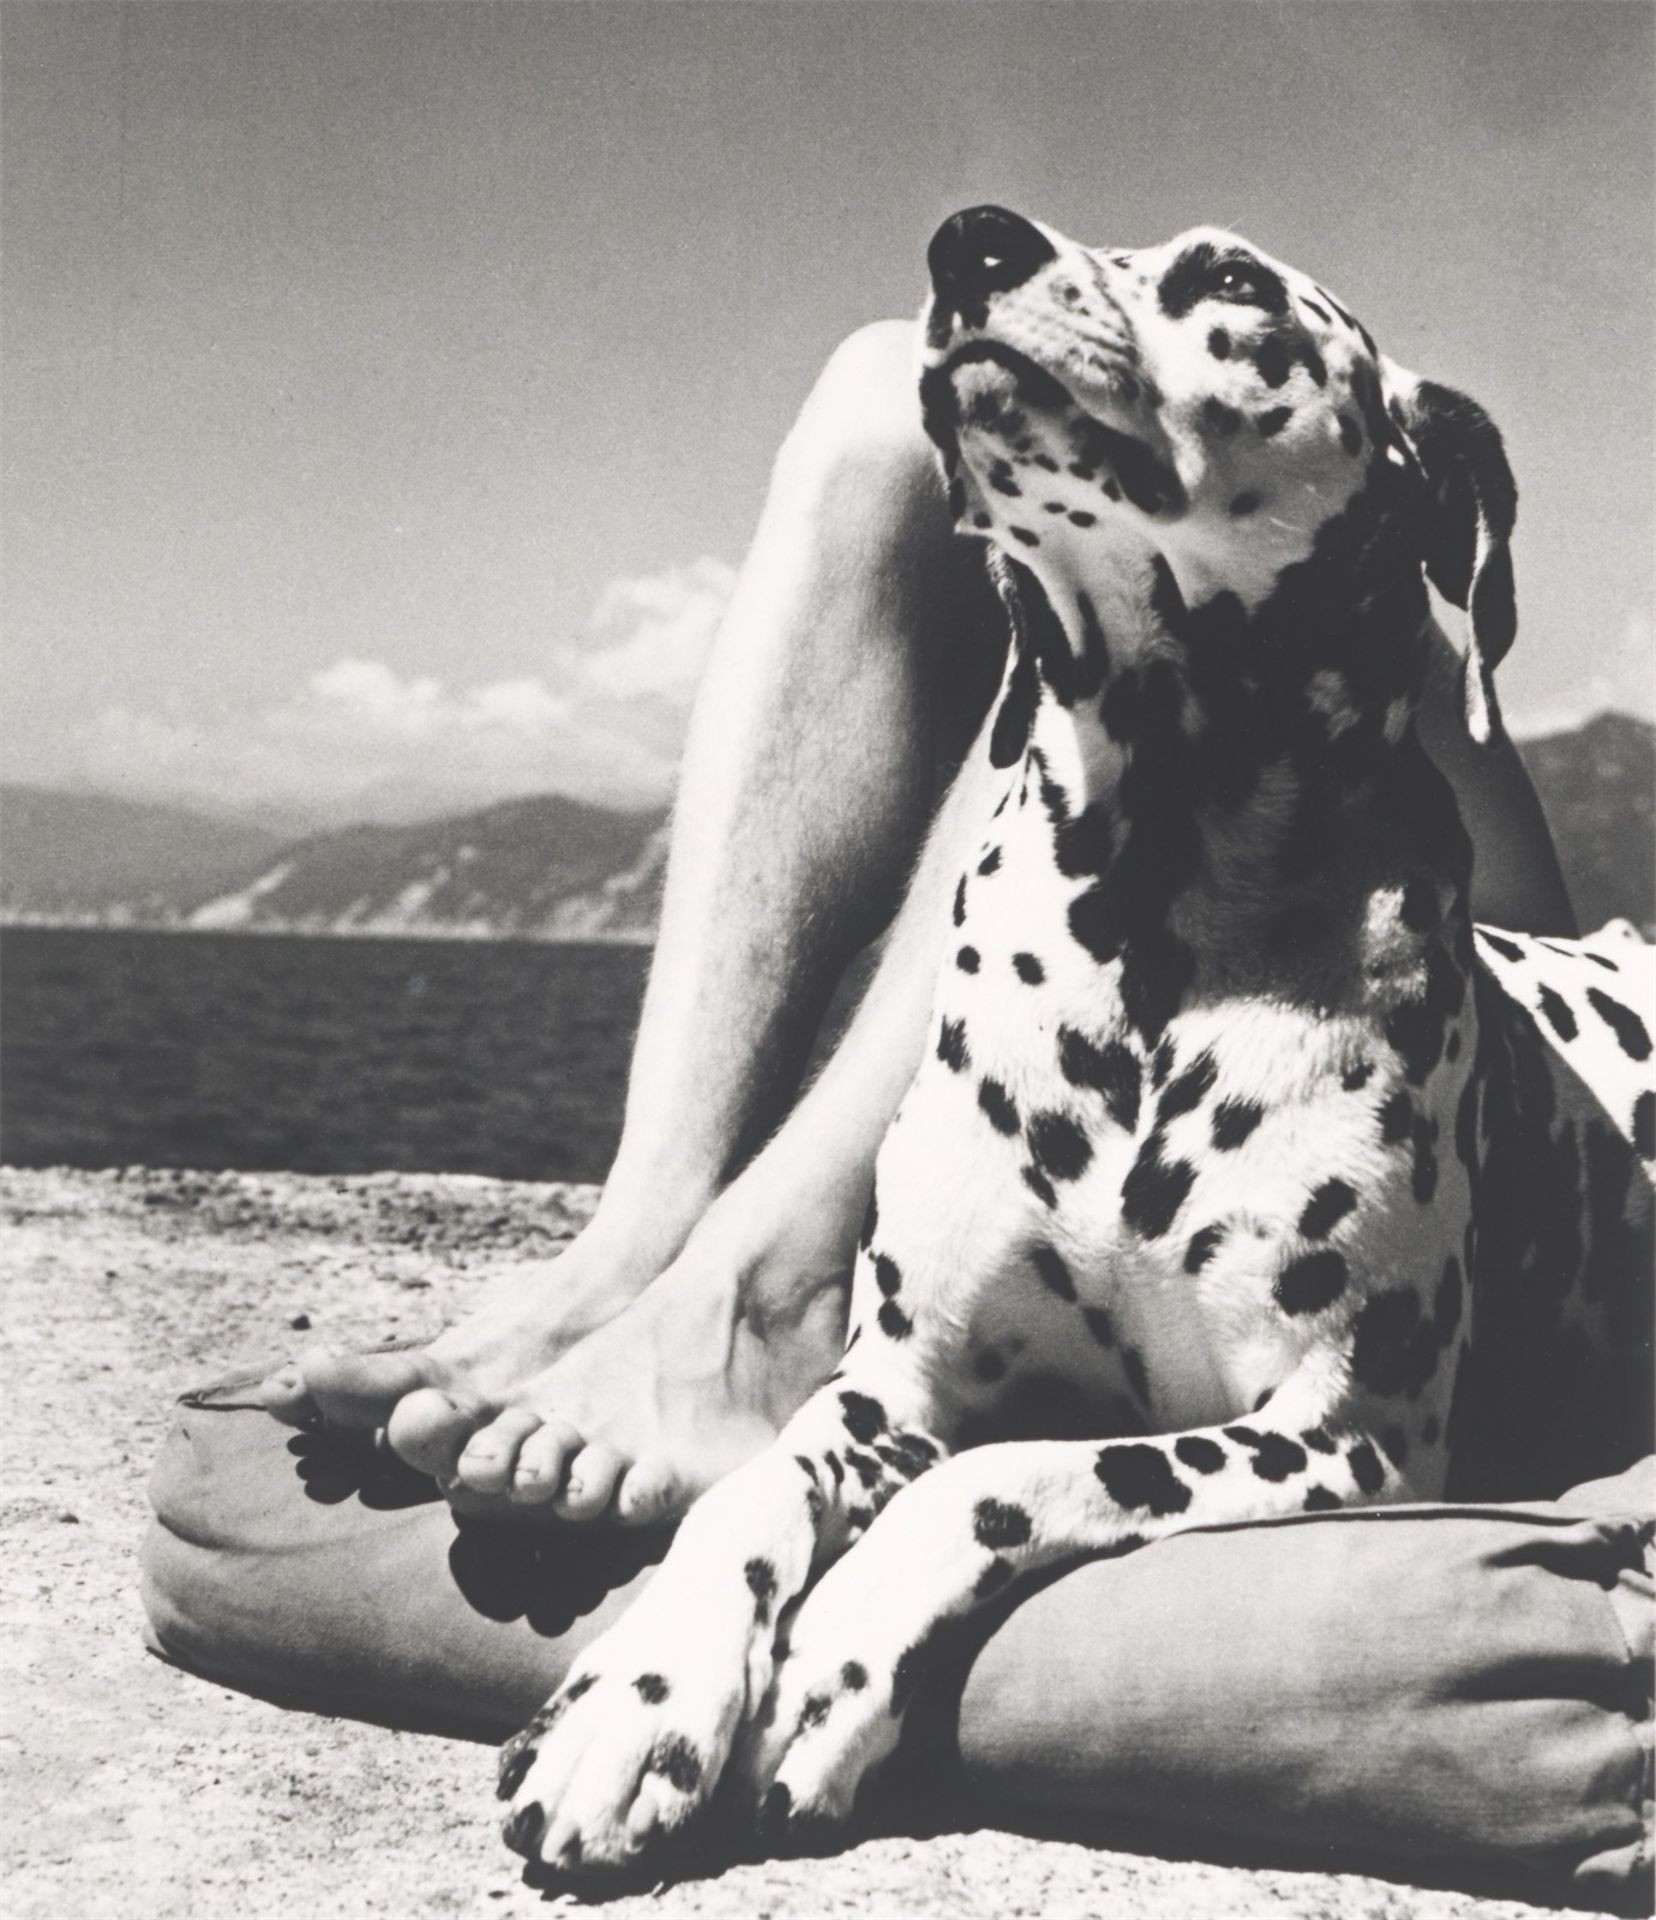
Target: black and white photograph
point(828, 958)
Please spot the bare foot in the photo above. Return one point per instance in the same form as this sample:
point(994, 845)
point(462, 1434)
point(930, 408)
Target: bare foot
point(526, 1321)
point(693, 1377)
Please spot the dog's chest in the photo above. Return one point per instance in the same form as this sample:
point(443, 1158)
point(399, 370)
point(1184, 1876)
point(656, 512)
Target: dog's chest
point(1112, 1227)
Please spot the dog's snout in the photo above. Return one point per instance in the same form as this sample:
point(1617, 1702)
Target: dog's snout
point(984, 250)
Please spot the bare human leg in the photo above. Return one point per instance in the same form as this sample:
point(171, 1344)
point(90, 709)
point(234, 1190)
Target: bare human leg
point(811, 769)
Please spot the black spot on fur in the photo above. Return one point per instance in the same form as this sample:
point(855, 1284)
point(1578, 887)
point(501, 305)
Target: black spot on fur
point(865, 1418)
point(1366, 1469)
point(1154, 1191)
point(1415, 1029)
point(1204, 1243)
point(1270, 423)
point(893, 1322)
point(871, 1220)
point(523, 1831)
point(1083, 519)
point(1099, 1325)
point(1632, 1036)
point(960, 902)
point(1206, 1456)
point(1311, 1282)
point(997, 1524)
point(968, 959)
point(1320, 1500)
point(888, 1276)
point(1220, 419)
point(1507, 949)
point(1354, 1079)
point(1219, 343)
point(1271, 358)
point(952, 1049)
point(1058, 1146)
point(1139, 1476)
point(1326, 1208)
point(1112, 1070)
point(1028, 969)
point(1186, 1093)
point(1039, 1185)
point(678, 1763)
point(1419, 908)
point(1015, 717)
point(1644, 1125)
point(1322, 314)
point(1313, 363)
point(1396, 1117)
point(651, 1689)
point(1394, 1349)
point(1556, 1011)
point(1233, 1121)
point(761, 1578)
point(1055, 1276)
point(1275, 1456)
point(998, 1105)
point(515, 1763)
point(1161, 1064)
point(1024, 535)
point(990, 863)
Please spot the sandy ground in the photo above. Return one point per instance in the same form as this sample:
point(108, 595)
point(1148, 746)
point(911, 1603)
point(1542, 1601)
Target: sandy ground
point(129, 1788)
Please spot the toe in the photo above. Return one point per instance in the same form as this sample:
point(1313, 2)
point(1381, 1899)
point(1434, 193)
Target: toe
point(489, 1458)
point(429, 1429)
point(361, 1389)
point(541, 1459)
point(650, 1491)
point(591, 1481)
point(286, 1396)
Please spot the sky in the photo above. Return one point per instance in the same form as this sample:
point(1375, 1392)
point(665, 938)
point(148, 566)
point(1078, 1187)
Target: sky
point(389, 389)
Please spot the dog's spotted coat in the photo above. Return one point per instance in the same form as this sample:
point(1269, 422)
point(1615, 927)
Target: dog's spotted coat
point(1242, 1177)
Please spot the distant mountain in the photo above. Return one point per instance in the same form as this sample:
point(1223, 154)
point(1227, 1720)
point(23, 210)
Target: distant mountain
point(551, 868)
point(1598, 785)
point(86, 856)
point(545, 868)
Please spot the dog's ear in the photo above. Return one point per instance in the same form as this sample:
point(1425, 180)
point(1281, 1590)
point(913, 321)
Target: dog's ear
point(1471, 504)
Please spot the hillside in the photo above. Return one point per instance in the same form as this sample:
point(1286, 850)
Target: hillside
point(87, 856)
point(552, 868)
point(545, 867)
point(1598, 785)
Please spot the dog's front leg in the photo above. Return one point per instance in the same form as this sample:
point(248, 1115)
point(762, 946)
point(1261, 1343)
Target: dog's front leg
point(878, 1620)
point(634, 1742)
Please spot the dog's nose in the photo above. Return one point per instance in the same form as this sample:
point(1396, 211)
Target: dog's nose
point(982, 251)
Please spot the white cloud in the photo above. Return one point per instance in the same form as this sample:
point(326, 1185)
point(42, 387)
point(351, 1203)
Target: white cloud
point(606, 724)
point(1624, 682)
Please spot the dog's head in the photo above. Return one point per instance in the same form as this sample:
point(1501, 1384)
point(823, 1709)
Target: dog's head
point(1201, 403)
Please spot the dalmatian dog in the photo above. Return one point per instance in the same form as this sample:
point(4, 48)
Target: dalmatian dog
point(1243, 1177)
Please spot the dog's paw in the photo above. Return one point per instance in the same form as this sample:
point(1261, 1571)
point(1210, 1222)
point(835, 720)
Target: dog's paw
point(828, 1727)
point(619, 1762)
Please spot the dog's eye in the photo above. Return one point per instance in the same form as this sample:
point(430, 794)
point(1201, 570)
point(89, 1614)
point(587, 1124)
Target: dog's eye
point(1244, 281)
point(1203, 272)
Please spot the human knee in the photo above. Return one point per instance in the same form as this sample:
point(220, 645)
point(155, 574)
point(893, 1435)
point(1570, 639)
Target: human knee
point(858, 437)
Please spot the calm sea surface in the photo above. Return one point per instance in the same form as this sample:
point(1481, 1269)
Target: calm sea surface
point(322, 1056)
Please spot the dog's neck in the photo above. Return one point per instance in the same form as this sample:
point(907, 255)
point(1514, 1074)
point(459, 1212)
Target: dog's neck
point(1234, 782)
